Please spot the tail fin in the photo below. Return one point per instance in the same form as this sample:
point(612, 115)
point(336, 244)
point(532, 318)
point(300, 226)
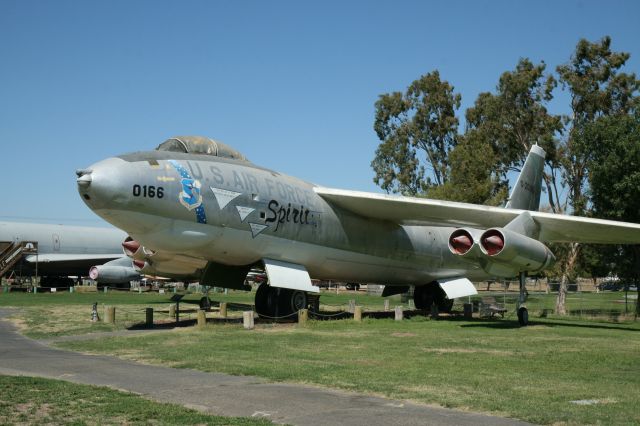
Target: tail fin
point(526, 192)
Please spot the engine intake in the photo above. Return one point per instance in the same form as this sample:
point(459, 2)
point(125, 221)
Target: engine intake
point(131, 248)
point(135, 250)
point(463, 242)
point(460, 241)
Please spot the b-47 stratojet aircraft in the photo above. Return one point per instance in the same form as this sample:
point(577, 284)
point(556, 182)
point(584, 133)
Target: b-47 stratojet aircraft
point(195, 206)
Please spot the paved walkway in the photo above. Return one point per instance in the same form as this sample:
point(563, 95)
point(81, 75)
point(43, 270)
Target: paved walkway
point(222, 394)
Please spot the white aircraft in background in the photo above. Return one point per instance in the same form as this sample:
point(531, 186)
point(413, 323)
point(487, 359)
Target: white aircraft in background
point(60, 251)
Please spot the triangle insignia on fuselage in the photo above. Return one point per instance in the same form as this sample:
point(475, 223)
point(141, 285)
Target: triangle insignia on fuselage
point(223, 196)
point(244, 212)
point(256, 228)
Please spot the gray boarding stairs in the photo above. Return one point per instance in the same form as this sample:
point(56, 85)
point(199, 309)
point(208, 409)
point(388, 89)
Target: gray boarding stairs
point(12, 251)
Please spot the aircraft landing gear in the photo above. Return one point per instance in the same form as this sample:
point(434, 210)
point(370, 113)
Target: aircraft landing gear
point(292, 301)
point(274, 302)
point(523, 313)
point(426, 295)
point(205, 302)
point(523, 316)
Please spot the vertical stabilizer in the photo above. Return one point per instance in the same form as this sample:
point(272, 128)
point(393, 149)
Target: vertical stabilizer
point(526, 192)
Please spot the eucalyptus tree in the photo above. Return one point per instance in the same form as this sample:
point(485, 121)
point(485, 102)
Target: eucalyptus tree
point(515, 117)
point(597, 89)
point(417, 130)
point(611, 145)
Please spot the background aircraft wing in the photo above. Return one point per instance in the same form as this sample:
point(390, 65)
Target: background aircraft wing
point(423, 211)
point(65, 257)
point(69, 264)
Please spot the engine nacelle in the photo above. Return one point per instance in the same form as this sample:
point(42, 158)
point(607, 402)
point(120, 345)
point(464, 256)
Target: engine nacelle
point(509, 253)
point(135, 250)
point(143, 267)
point(113, 274)
point(463, 242)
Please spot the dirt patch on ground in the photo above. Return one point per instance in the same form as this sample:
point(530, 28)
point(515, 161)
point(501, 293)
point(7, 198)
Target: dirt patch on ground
point(442, 351)
point(403, 334)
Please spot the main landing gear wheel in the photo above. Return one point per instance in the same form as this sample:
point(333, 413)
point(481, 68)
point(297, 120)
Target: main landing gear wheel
point(266, 301)
point(523, 316)
point(426, 295)
point(423, 297)
point(291, 301)
point(445, 305)
point(274, 302)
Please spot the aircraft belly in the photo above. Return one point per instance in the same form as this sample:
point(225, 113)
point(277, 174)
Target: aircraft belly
point(239, 248)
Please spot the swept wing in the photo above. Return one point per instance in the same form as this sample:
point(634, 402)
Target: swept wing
point(422, 211)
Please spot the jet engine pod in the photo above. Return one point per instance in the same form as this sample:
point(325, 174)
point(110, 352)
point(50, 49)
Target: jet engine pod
point(515, 252)
point(106, 274)
point(462, 242)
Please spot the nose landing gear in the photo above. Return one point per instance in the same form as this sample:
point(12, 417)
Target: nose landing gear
point(523, 313)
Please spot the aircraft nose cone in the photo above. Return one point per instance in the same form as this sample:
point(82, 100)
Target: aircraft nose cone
point(102, 184)
point(84, 177)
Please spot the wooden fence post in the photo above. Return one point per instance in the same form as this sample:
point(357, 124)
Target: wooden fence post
point(357, 313)
point(110, 315)
point(247, 320)
point(399, 313)
point(202, 318)
point(303, 315)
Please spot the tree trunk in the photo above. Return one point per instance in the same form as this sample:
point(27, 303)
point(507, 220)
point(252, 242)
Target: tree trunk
point(567, 271)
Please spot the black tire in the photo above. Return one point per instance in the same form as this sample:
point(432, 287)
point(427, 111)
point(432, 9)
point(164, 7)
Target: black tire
point(523, 316)
point(291, 301)
point(445, 305)
point(262, 303)
point(298, 300)
point(274, 295)
point(205, 303)
point(423, 296)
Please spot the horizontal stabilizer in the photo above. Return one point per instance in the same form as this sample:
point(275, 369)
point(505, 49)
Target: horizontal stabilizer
point(457, 287)
point(288, 275)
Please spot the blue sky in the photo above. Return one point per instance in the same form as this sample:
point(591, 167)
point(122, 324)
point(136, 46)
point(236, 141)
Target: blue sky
point(292, 85)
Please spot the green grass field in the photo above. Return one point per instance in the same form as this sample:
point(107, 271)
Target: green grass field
point(579, 369)
point(37, 401)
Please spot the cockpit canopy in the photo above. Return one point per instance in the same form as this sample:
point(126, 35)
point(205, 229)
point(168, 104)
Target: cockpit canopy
point(200, 145)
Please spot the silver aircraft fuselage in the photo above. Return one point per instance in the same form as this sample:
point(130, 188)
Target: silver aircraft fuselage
point(233, 212)
point(65, 249)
